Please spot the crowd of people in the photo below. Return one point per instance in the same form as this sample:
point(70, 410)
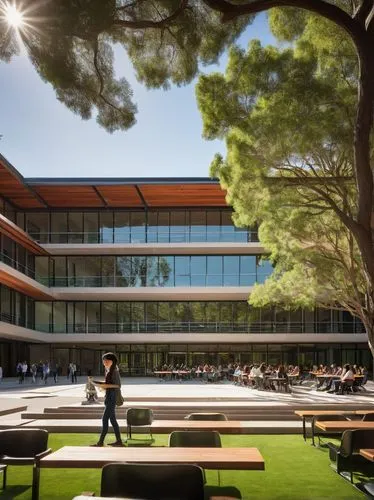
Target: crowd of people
point(263, 376)
point(42, 371)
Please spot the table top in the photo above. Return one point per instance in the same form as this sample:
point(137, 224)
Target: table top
point(209, 458)
point(312, 413)
point(367, 453)
point(343, 425)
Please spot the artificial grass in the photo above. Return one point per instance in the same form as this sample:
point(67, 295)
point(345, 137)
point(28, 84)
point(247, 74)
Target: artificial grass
point(293, 471)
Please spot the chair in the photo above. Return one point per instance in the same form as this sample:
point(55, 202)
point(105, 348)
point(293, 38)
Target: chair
point(346, 386)
point(369, 417)
point(196, 439)
point(206, 416)
point(153, 481)
point(138, 417)
point(318, 432)
point(24, 447)
point(347, 457)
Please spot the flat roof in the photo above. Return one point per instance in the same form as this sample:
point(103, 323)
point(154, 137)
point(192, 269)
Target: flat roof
point(107, 192)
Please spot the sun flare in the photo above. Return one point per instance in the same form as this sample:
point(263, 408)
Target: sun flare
point(13, 16)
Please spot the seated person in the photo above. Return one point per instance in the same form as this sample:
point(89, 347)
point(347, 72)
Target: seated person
point(346, 375)
point(90, 390)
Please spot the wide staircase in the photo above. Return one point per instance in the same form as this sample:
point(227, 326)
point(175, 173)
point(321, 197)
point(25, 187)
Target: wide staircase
point(265, 417)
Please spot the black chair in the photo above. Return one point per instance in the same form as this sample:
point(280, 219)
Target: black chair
point(24, 447)
point(153, 481)
point(206, 416)
point(347, 457)
point(369, 417)
point(139, 417)
point(346, 386)
point(318, 432)
point(196, 439)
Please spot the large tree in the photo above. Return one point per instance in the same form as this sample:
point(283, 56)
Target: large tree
point(70, 43)
point(288, 118)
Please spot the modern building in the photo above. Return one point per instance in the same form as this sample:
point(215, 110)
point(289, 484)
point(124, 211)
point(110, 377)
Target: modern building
point(151, 268)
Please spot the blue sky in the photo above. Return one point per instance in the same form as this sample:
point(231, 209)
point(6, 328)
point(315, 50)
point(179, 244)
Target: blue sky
point(42, 138)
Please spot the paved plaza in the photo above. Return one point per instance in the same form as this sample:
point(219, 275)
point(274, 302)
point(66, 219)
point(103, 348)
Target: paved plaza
point(193, 393)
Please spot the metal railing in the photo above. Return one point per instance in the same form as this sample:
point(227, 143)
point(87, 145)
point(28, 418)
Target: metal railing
point(201, 327)
point(28, 271)
point(132, 281)
point(16, 320)
point(146, 236)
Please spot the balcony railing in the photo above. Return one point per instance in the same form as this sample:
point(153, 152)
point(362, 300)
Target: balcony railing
point(16, 320)
point(28, 271)
point(146, 236)
point(134, 281)
point(201, 327)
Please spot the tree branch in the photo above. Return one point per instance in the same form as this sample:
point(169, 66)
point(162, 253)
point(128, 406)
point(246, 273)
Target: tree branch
point(328, 10)
point(143, 24)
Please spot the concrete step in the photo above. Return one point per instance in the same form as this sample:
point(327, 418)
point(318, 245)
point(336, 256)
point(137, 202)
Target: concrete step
point(157, 415)
point(94, 426)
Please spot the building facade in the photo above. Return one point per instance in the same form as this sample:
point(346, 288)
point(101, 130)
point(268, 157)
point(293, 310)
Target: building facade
point(152, 269)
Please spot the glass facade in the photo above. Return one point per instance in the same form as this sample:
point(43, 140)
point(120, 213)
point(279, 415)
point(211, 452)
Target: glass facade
point(16, 256)
point(16, 308)
point(152, 270)
point(183, 317)
point(134, 226)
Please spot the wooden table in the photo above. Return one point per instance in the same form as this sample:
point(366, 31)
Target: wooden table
point(210, 458)
point(312, 413)
point(341, 425)
point(367, 453)
point(222, 426)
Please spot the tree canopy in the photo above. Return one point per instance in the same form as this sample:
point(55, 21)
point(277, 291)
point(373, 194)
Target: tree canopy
point(288, 118)
point(70, 43)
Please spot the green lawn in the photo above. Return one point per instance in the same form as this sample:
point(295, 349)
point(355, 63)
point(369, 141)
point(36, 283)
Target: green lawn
point(293, 471)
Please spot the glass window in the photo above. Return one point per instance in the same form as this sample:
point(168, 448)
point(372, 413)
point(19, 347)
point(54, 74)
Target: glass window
point(59, 317)
point(137, 316)
point(226, 315)
point(42, 270)
point(152, 228)
point(43, 316)
point(212, 313)
point(166, 270)
point(124, 317)
point(109, 317)
point(8, 251)
point(106, 227)
point(247, 270)
point(59, 227)
point(75, 224)
point(231, 270)
point(37, 225)
point(93, 317)
point(214, 270)
point(137, 227)
point(91, 227)
point(197, 311)
point(123, 271)
point(152, 270)
point(198, 270)
point(163, 227)
point(108, 270)
point(213, 225)
point(138, 271)
point(80, 317)
point(121, 227)
point(178, 226)
point(60, 272)
point(182, 270)
point(198, 226)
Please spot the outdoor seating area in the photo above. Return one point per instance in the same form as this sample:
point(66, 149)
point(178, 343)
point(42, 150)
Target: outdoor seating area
point(250, 467)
